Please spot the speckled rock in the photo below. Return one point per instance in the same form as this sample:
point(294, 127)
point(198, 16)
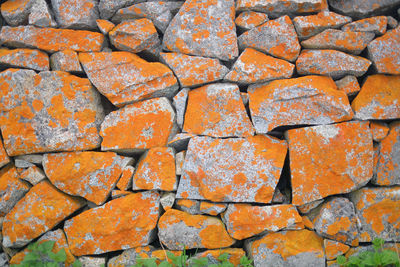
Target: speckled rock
point(77, 14)
point(180, 101)
point(107, 8)
point(33, 175)
point(24, 58)
point(362, 8)
point(41, 15)
point(124, 77)
point(348, 84)
point(304, 100)
point(392, 22)
point(212, 208)
point(249, 19)
point(375, 25)
point(125, 181)
point(180, 141)
point(233, 255)
point(232, 170)
point(92, 261)
point(188, 205)
point(16, 12)
point(66, 60)
point(45, 116)
point(32, 158)
point(167, 200)
point(379, 130)
point(327, 153)
point(334, 249)
point(4, 159)
point(128, 257)
point(104, 26)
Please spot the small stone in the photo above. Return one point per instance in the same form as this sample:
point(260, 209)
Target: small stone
point(32, 158)
point(249, 19)
point(41, 15)
point(233, 255)
point(376, 25)
point(107, 8)
point(245, 98)
point(307, 223)
point(33, 175)
point(128, 257)
point(379, 130)
point(125, 181)
point(20, 163)
point(310, 206)
point(76, 14)
point(4, 159)
point(212, 208)
point(24, 58)
point(66, 60)
point(180, 141)
point(179, 159)
point(333, 249)
point(92, 261)
point(104, 26)
point(16, 12)
point(188, 205)
point(392, 22)
point(362, 8)
point(119, 193)
point(278, 197)
point(167, 200)
point(179, 101)
point(348, 84)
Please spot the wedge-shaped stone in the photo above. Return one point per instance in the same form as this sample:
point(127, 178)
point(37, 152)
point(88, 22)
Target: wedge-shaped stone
point(249, 19)
point(217, 110)
point(40, 112)
point(244, 220)
point(124, 77)
point(363, 8)
point(379, 130)
point(275, 37)
point(203, 28)
point(188, 205)
point(66, 60)
point(304, 100)
point(178, 230)
point(104, 26)
point(232, 170)
point(24, 58)
point(128, 257)
point(334, 249)
point(77, 14)
point(139, 126)
point(42, 208)
point(378, 99)
point(33, 175)
point(212, 208)
point(253, 66)
point(4, 159)
point(108, 8)
point(348, 84)
point(51, 40)
point(338, 157)
point(16, 12)
point(233, 255)
point(376, 25)
point(40, 15)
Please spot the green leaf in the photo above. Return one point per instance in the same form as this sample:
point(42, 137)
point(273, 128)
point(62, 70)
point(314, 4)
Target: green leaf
point(223, 257)
point(378, 243)
point(46, 246)
point(60, 256)
point(31, 257)
point(341, 260)
point(200, 262)
point(77, 263)
point(165, 264)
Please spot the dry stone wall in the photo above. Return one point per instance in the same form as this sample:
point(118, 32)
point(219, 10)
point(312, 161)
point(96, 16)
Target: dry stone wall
point(266, 128)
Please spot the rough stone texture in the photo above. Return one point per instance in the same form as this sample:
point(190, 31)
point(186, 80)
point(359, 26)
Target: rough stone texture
point(277, 38)
point(212, 208)
point(348, 84)
point(92, 261)
point(19, 163)
point(339, 157)
point(107, 8)
point(304, 100)
point(167, 200)
point(24, 58)
point(66, 60)
point(32, 158)
point(104, 26)
point(128, 257)
point(392, 22)
point(233, 255)
point(41, 15)
point(140, 128)
point(362, 8)
point(334, 249)
point(124, 77)
point(125, 181)
point(203, 28)
point(179, 101)
point(232, 170)
point(375, 25)
point(33, 175)
point(180, 141)
point(77, 14)
point(42, 208)
point(188, 205)
point(253, 66)
point(379, 130)
point(217, 110)
point(4, 159)
point(178, 230)
point(16, 12)
point(45, 116)
point(119, 224)
point(249, 19)
point(332, 63)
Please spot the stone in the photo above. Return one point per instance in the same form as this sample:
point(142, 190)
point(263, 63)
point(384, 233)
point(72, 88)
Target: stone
point(233, 255)
point(334, 249)
point(41, 209)
point(253, 66)
point(179, 102)
point(193, 71)
point(104, 26)
point(392, 23)
point(233, 169)
point(32, 158)
point(338, 156)
point(362, 8)
point(128, 257)
point(40, 112)
point(212, 208)
point(217, 110)
point(92, 261)
point(345, 41)
point(244, 220)
point(369, 202)
point(134, 35)
point(125, 181)
point(384, 52)
point(24, 58)
point(19, 163)
point(297, 101)
point(307, 222)
point(245, 98)
point(249, 19)
point(179, 159)
point(119, 193)
point(348, 84)
point(124, 77)
point(379, 130)
point(107, 8)
point(66, 60)
point(41, 15)
point(188, 205)
point(178, 230)
point(180, 141)
point(91, 175)
point(307, 26)
point(140, 131)
point(332, 63)
point(16, 12)
point(378, 99)
point(203, 28)
point(277, 38)
point(118, 224)
point(287, 248)
point(167, 200)
point(76, 14)
point(4, 159)
point(376, 25)
point(33, 175)
point(51, 40)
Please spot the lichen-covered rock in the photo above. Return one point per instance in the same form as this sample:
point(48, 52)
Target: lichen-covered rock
point(188, 205)
point(119, 224)
point(42, 208)
point(4, 159)
point(167, 200)
point(378, 210)
point(133, 127)
point(178, 230)
point(77, 14)
point(277, 38)
point(16, 12)
point(249, 19)
point(24, 58)
point(253, 66)
point(66, 60)
point(88, 261)
point(40, 15)
point(32, 158)
point(179, 102)
point(180, 141)
point(104, 26)
point(203, 28)
point(217, 110)
point(33, 175)
point(375, 25)
point(124, 77)
point(107, 8)
point(232, 170)
point(379, 130)
point(128, 257)
point(362, 8)
point(212, 208)
point(339, 157)
point(125, 181)
point(334, 249)
point(233, 255)
point(40, 112)
point(391, 22)
point(297, 101)
point(348, 84)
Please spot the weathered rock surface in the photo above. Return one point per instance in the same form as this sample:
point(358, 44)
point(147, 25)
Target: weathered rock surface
point(125, 181)
point(334, 249)
point(16, 12)
point(128, 257)
point(4, 159)
point(33, 175)
point(24, 58)
point(379, 130)
point(362, 8)
point(188, 205)
point(249, 19)
point(348, 84)
point(375, 25)
point(179, 102)
point(104, 26)
point(233, 255)
point(212, 208)
point(77, 14)
point(41, 15)
point(66, 60)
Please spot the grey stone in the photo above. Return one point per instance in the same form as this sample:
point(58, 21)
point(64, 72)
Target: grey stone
point(20, 163)
point(180, 141)
point(306, 208)
point(108, 8)
point(41, 15)
point(348, 84)
point(167, 200)
point(92, 261)
point(179, 102)
point(76, 14)
point(247, 20)
point(362, 8)
point(188, 205)
point(24, 58)
point(392, 22)
point(212, 208)
point(66, 60)
point(32, 158)
point(376, 25)
point(179, 158)
point(128, 257)
point(33, 175)
point(16, 12)
point(3, 260)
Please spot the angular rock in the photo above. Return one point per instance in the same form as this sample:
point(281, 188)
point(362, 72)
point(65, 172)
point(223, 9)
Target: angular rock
point(124, 77)
point(16, 12)
point(19, 163)
point(140, 130)
point(297, 101)
point(233, 255)
point(178, 230)
point(253, 66)
point(107, 8)
point(40, 112)
point(382, 201)
point(348, 84)
point(217, 110)
point(277, 38)
point(244, 220)
point(104, 26)
point(33, 175)
point(125, 181)
point(193, 71)
point(332, 63)
point(119, 193)
point(119, 224)
point(179, 102)
point(232, 170)
point(362, 8)
point(179, 159)
point(32, 158)
point(379, 130)
point(334, 249)
point(376, 25)
point(249, 19)
point(4, 159)
point(41, 15)
point(338, 156)
point(346, 41)
point(188, 205)
point(66, 60)
point(203, 28)
point(42, 208)
point(167, 200)
point(378, 99)
point(307, 26)
point(287, 248)
point(76, 14)
point(180, 141)
point(212, 208)
point(128, 257)
point(392, 22)
point(92, 261)
point(384, 52)
point(24, 58)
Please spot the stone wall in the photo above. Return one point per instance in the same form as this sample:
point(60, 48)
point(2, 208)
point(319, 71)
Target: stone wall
point(269, 128)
